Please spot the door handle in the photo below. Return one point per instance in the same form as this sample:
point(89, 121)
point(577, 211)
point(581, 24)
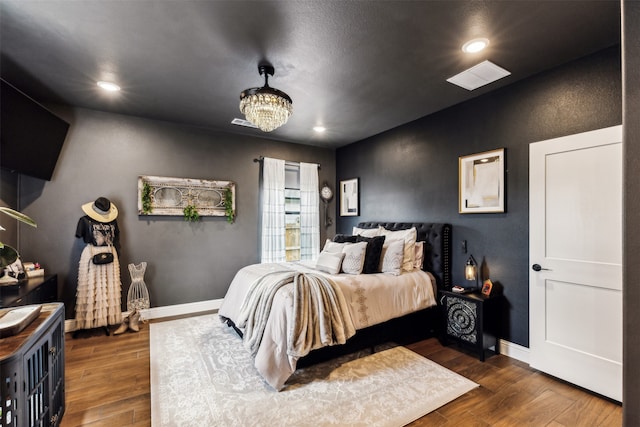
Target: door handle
point(537, 267)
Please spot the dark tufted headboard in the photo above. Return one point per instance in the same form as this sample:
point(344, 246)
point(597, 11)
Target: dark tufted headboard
point(437, 247)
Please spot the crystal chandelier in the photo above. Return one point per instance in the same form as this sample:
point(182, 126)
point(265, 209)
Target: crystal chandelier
point(266, 107)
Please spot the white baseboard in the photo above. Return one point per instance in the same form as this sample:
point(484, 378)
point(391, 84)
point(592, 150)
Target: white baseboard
point(514, 351)
point(69, 325)
point(165, 311)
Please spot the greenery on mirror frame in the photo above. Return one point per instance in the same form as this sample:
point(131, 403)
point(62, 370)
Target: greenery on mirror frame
point(228, 205)
point(191, 213)
point(146, 199)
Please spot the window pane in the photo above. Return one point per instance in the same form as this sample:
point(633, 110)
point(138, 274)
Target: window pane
point(292, 201)
point(292, 176)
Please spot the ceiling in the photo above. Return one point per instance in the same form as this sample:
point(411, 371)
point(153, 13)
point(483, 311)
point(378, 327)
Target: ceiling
point(358, 67)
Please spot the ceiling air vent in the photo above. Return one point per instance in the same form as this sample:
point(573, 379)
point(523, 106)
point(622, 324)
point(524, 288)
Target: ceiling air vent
point(479, 75)
point(241, 122)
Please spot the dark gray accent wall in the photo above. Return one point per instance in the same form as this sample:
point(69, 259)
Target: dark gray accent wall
point(103, 156)
point(410, 173)
point(631, 272)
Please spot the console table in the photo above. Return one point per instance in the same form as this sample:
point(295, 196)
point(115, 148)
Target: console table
point(37, 290)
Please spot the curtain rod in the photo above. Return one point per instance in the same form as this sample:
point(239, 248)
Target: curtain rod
point(261, 158)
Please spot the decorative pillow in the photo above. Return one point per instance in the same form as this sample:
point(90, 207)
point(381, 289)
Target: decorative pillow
point(367, 232)
point(344, 238)
point(330, 262)
point(419, 251)
point(353, 257)
point(372, 255)
point(334, 247)
point(392, 255)
point(409, 236)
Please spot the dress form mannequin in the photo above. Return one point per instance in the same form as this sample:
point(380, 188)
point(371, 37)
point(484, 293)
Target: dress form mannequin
point(137, 299)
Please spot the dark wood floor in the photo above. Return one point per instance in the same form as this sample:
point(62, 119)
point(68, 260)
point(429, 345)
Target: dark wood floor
point(513, 394)
point(107, 384)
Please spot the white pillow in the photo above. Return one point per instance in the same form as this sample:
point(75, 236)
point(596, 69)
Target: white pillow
point(329, 262)
point(417, 264)
point(367, 232)
point(333, 247)
point(409, 236)
point(391, 257)
point(353, 261)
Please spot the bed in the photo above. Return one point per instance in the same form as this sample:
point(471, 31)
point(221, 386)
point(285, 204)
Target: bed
point(379, 307)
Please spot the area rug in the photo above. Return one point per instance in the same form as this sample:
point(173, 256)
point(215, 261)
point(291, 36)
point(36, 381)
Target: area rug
point(201, 375)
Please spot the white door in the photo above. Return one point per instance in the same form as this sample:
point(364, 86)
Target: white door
point(575, 249)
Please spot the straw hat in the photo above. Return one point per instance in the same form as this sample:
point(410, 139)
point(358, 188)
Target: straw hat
point(101, 210)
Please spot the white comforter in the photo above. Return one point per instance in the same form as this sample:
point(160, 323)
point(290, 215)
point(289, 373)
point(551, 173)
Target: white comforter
point(371, 298)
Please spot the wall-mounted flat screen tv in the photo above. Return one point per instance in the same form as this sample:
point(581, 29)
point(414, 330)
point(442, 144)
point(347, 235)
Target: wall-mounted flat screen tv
point(31, 136)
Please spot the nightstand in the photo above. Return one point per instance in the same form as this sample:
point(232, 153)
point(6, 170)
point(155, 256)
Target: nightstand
point(471, 320)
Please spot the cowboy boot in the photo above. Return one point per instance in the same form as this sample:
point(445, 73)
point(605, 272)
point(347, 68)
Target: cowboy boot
point(134, 321)
point(123, 326)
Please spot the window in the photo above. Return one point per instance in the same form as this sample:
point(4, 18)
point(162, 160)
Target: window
point(290, 217)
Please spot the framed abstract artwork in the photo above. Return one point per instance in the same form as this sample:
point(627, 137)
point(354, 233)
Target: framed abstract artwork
point(349, 198)
point(481, 182)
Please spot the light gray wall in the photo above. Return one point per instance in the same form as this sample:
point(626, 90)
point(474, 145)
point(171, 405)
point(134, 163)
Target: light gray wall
point(104, 154)
point(631, 275)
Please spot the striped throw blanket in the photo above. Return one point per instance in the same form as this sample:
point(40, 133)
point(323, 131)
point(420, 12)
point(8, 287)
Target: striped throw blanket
point(320, 312)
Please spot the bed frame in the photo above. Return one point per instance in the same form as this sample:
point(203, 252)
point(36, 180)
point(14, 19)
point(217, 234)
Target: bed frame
point(412, 327)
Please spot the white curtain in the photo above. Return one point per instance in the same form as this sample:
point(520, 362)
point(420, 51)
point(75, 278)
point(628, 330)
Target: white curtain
point(273, 216)
point(309, 212)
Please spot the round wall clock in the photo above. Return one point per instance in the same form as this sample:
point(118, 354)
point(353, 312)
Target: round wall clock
point(326, 193)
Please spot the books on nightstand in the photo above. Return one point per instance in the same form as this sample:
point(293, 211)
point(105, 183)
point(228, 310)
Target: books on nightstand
point(460, 290)
point(35, 273)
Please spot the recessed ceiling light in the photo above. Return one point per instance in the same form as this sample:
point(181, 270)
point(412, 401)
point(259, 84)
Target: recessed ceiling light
point(475, 45)
point(109, 86)
point(319, 129)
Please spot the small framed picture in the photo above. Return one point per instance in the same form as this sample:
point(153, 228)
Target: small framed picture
point(349, 198)
point(486, 288)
